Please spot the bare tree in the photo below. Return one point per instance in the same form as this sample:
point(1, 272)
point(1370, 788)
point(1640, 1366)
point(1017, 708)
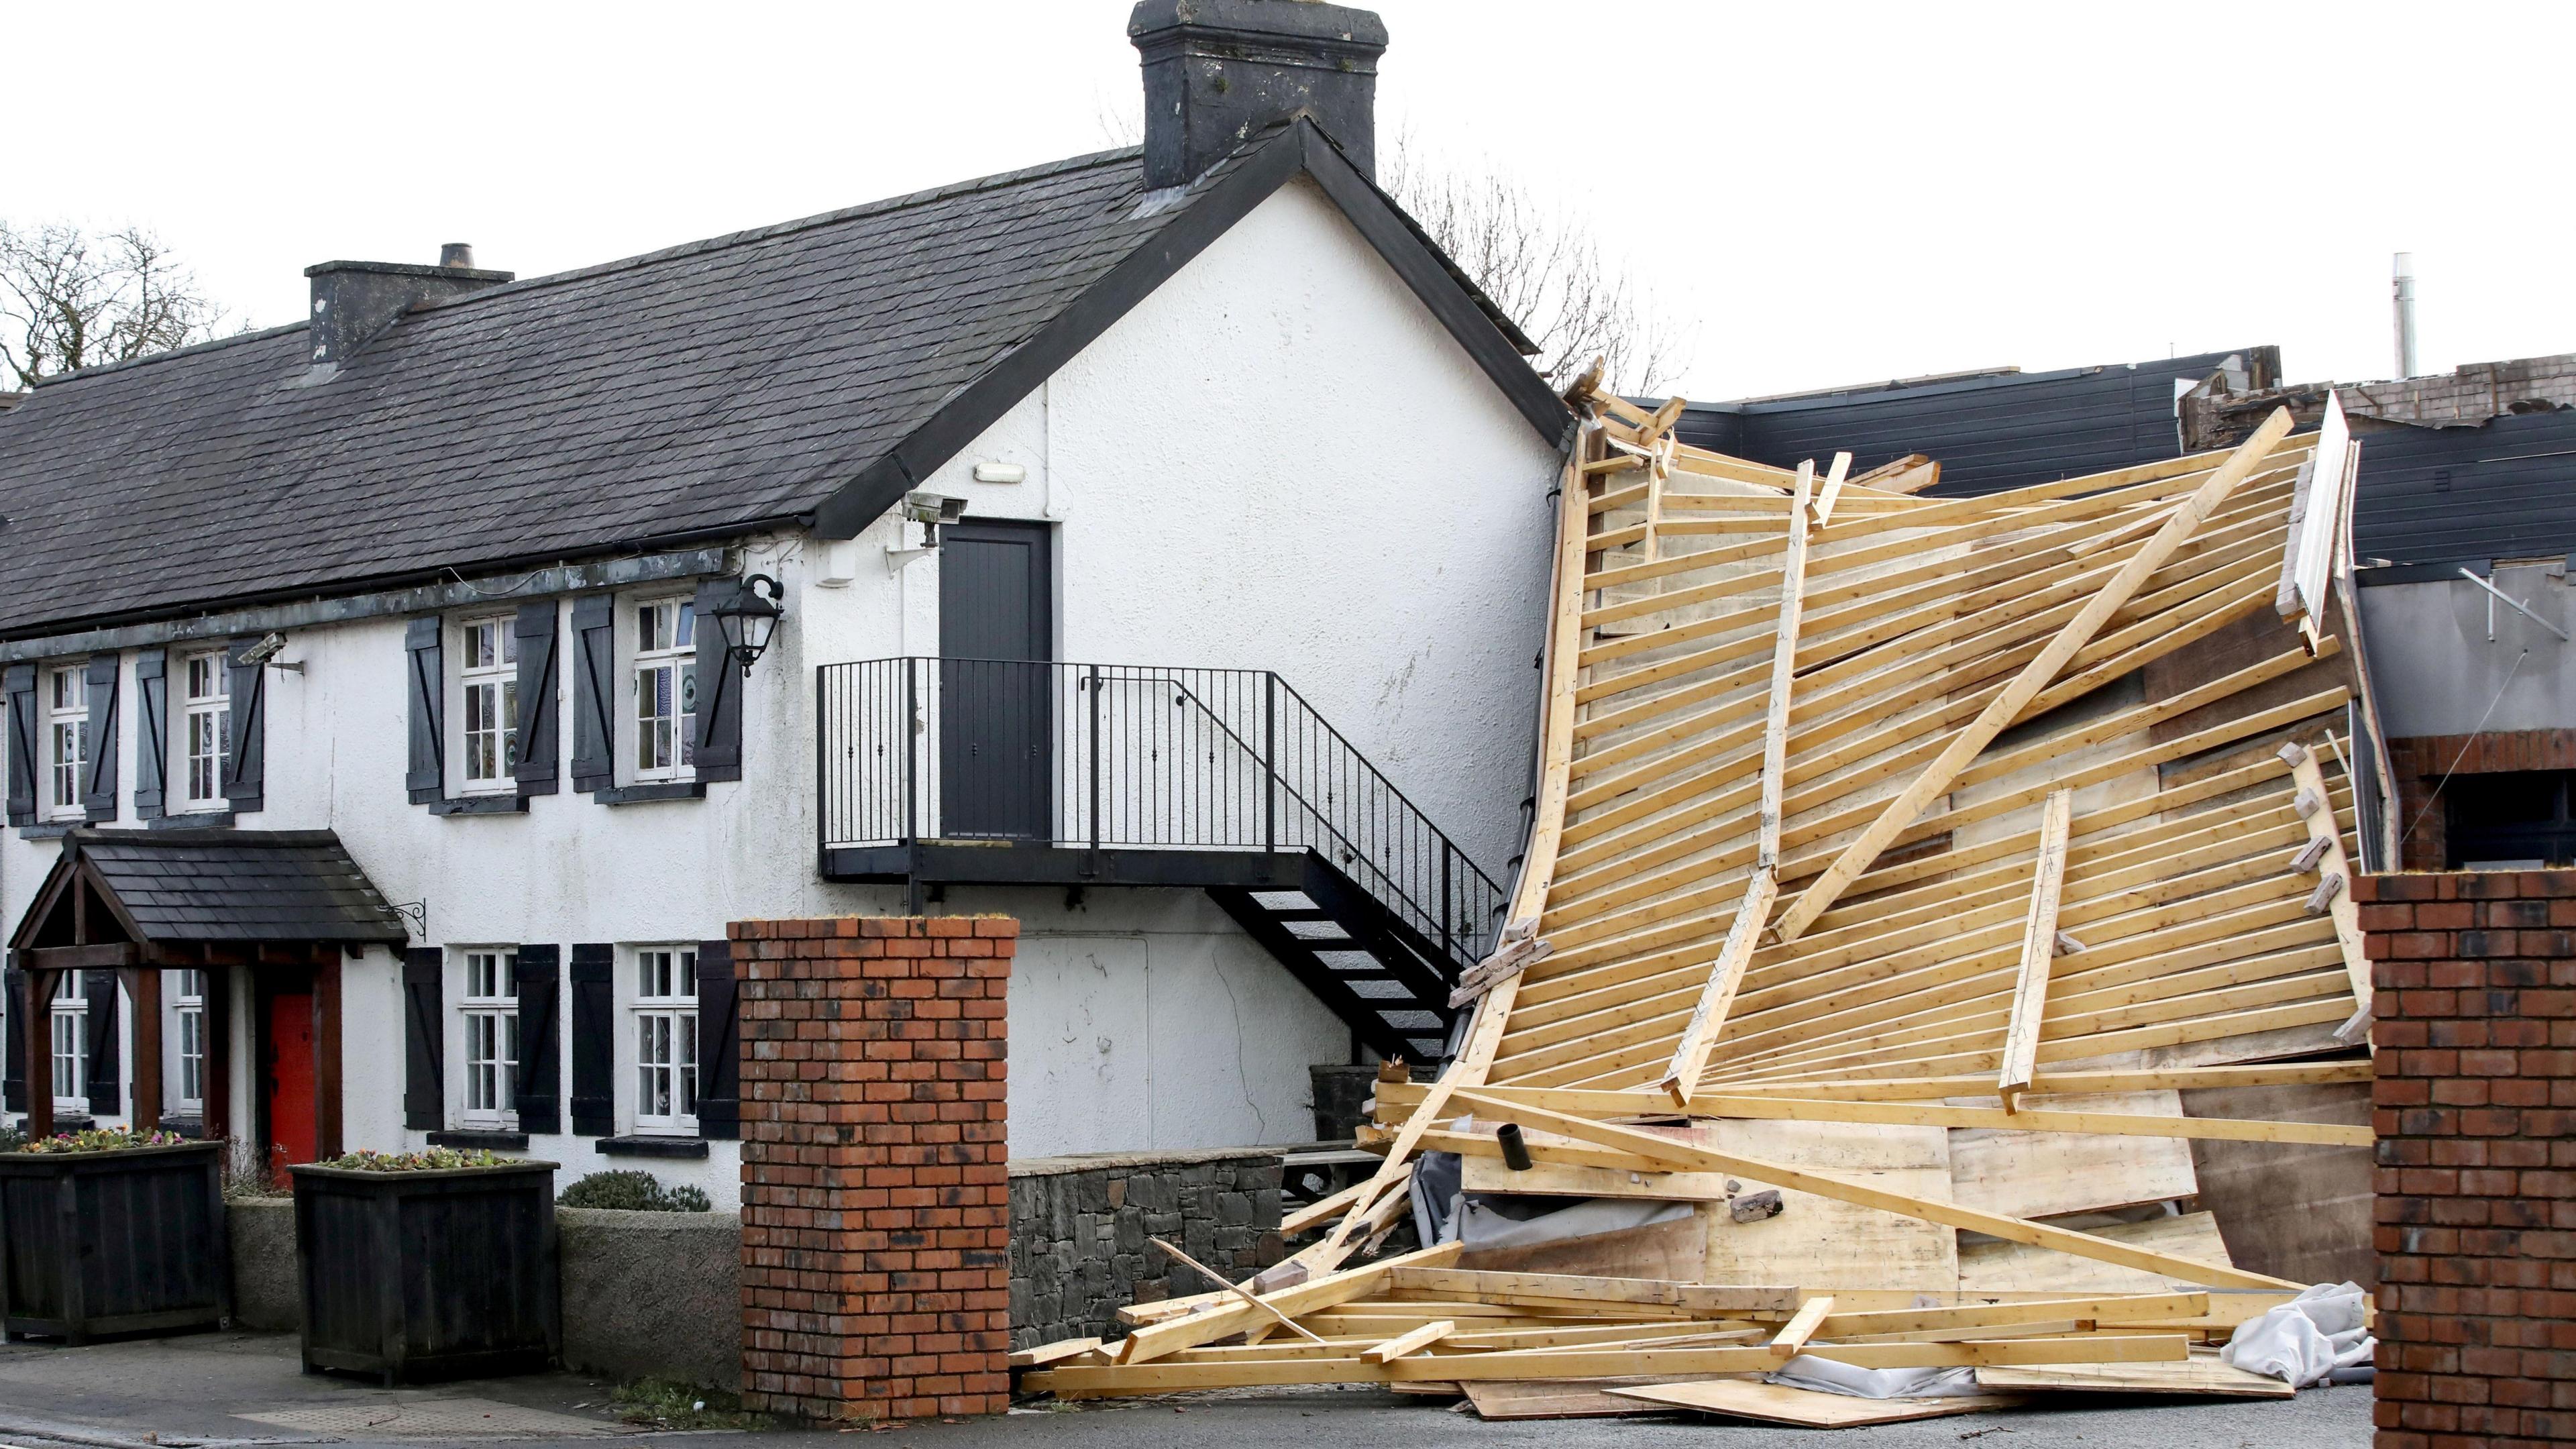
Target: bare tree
point(1544, 267)
point(70, 300)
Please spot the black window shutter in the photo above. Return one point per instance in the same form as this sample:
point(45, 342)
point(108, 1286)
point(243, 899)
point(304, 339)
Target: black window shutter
point(246, 768)
point(594, 692)
point(537, 689)
point(539, 1089)
point(13, 1071)
point(98, 792)
point(151, 732)
point(719, 1053)
point(105, 1097)
point(18, 681)
point(424, 1040)
point(719, 680)
point(594, 1040)
point(427, 775)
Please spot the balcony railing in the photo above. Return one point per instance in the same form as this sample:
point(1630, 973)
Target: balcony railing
point(1129, 757)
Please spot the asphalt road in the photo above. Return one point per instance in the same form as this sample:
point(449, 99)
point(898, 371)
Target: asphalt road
point(233, 1391)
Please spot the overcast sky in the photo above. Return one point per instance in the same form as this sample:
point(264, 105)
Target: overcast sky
point(1833, 194)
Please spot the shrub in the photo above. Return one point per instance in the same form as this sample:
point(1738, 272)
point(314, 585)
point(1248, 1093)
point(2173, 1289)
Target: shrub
point(95, 1139)
point(435, 1159)
point(632, 1192)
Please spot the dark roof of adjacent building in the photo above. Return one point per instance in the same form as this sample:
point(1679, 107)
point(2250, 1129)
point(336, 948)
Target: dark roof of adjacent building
point(804, 373)
point(1990, 431)
point(2432, 499)
point(236, 885)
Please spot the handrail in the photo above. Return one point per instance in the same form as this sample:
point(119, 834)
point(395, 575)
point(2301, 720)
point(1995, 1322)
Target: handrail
point(1097, 756)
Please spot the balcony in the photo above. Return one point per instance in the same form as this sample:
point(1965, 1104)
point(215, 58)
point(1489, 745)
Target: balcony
point(958, 771)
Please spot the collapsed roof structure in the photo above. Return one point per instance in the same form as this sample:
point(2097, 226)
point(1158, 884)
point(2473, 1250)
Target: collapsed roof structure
point(1900, 865)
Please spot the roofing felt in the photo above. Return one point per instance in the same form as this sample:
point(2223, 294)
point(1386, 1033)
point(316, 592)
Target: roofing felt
point(238, 885)
point(689, 392)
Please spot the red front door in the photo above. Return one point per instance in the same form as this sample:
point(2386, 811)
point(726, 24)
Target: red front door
point(290, 1080)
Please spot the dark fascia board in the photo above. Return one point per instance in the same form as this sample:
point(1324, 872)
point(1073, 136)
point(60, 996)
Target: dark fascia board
point(1294, 150)
point(1901, 390)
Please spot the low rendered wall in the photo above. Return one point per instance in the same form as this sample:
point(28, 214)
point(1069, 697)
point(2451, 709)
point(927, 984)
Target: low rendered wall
point(1079, 1227)
point(645, 1295)
point(265, 1292)
point(652, 1295)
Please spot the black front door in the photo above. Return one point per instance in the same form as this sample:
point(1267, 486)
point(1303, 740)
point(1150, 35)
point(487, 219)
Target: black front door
point(996, 703)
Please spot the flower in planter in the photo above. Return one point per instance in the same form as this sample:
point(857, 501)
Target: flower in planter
point(100, 1139)
point(435, 1159)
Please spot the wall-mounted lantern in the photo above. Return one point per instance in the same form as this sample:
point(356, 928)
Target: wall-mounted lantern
point(750, 617)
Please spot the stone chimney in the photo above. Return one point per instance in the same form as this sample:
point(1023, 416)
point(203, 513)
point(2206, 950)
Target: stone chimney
point(1218, 70)
point(355, 301)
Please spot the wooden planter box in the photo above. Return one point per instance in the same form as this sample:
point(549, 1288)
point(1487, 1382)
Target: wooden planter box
point(99, 1243)
point(427, 1275)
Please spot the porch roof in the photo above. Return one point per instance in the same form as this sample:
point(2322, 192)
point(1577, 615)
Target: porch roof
point(220, 886)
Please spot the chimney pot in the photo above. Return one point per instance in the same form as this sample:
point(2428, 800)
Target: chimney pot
point(458, 255)
point(1218, 70)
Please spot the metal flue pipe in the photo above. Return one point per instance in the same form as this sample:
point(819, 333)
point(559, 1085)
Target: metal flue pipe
point(2403, 274)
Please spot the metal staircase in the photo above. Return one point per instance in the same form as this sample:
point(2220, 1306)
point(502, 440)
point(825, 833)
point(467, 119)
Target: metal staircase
point(937, 771)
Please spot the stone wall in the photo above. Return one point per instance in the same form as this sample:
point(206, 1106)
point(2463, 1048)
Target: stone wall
point(1079, 1227)
point(267, 1295)
point(875, 1213)
point(2475, 1108)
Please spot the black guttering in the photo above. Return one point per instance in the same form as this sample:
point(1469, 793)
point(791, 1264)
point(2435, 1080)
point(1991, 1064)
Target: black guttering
point(1234, 188)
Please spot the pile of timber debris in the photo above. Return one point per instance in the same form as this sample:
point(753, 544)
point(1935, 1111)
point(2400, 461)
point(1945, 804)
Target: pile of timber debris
point(1902, 866)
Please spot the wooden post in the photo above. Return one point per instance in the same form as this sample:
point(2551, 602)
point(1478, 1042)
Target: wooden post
point(143, 992)
point(2038, 948)
point(326, 1056)
point(36, 1021)
point(218, 1080)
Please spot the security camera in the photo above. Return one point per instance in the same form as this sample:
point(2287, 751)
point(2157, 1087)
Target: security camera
point(933, 508)
point(265, 652)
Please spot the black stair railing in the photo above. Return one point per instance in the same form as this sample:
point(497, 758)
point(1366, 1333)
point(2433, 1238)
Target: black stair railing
point(1122, 756)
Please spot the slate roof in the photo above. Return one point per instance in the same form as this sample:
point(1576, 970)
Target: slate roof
point(238, 885)
point(692, 393)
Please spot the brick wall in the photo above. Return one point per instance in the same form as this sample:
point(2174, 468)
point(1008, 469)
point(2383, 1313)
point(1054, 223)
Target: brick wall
point(2475, 1108)
point(875, 1208)
point(2419, 764)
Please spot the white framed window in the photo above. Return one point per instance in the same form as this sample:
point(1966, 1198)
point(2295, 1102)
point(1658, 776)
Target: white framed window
point(66, 740)
point(666, 1039)
point(70, 1042)
point(188, 1005)
point(491, 733)
point(666, 688)
point(490, 1006)
point(206, 736)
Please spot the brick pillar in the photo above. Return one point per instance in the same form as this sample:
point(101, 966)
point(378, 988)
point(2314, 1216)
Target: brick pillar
point(2475, 1109)
point(875, 1195)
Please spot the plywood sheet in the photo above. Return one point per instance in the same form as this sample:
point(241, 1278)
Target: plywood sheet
point(2050, 1174)
point(2191, 1376)
point(1990, 1266)
point(1806, 1408)
point(1819, 1243)
point(2292, 1210)
point(1558, 1399)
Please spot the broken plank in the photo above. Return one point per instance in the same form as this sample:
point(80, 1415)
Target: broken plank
point(2038, 948)
point(1056, 1352)
point(1227, 1319)
point(1496, 1287)
point(1413, 1341)
point(2334, 868)
point(1793, 1335)
point(1708, 1019)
